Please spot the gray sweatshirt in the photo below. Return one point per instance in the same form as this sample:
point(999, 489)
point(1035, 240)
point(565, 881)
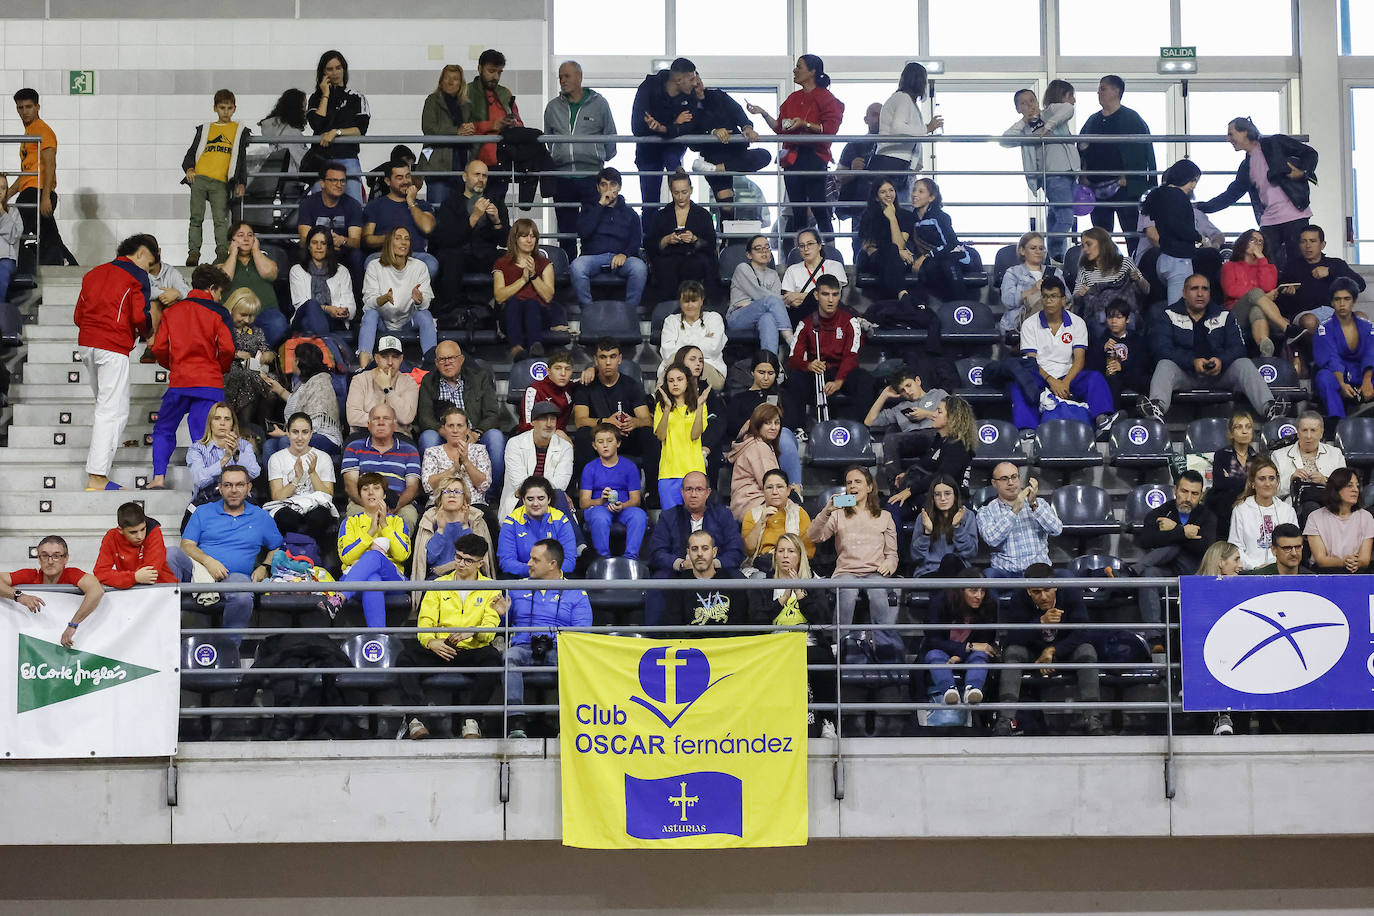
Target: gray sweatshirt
point(593, 117)
point(749, 284)
point(11, 228)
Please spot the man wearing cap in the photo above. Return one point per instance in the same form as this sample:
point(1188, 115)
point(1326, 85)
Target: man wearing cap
point(384, 383)
point(537, 451)
point(611, 235)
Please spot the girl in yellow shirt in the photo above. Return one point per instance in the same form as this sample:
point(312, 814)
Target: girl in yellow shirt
point(679, 421)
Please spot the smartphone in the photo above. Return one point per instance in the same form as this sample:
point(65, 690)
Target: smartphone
point(846, 501)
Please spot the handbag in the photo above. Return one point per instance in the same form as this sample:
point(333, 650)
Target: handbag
point(1104, 189)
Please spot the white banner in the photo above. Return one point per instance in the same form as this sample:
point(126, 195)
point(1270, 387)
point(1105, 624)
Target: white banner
point(115, 693)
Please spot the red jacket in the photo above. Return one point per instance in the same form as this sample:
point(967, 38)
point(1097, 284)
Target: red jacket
point(815, 107)
point(546, 390)
point(119, 560)
point(1239, 277)
point(840, 339)
point(113, 306)
point(194, 342)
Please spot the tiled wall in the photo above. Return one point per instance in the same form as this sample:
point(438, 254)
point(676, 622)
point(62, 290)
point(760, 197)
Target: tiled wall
point(120, 150)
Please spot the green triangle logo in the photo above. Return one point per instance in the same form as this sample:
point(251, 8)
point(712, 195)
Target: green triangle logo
point(50, 673)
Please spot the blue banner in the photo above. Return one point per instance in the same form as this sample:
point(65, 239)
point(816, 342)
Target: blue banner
point(1277, 643)
point(691, 803)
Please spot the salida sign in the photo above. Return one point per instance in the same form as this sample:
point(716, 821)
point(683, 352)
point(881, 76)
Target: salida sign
point(51, 673)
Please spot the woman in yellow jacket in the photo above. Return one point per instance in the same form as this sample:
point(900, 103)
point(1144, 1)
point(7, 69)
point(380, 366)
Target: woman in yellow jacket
point(372, 546)
point(464, 609)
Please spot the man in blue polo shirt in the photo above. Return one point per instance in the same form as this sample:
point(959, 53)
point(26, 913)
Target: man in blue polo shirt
point(227, 539)
point(395, 459)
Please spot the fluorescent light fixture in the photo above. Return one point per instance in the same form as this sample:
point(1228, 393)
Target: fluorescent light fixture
point(660, 63)
point(1176, 67)
point(933, 67)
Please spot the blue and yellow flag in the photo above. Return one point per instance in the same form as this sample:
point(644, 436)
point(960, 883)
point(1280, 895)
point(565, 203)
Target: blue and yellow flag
point(688, 743)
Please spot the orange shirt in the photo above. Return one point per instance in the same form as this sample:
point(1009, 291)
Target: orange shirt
point(29, 152)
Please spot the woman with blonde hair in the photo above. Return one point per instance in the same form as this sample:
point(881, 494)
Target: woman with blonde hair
point(451, 516)
point(1258, 512)
point(1221, 559)
point(446, 114)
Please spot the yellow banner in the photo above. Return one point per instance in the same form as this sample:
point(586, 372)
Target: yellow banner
point(684, 743)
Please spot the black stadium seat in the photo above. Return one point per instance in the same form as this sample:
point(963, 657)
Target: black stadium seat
point(611, 318)
point(1085, 511)
point(731, 256)
point(966, 321)
point(971, 387)
point(1276, 429)
point(998, 441)
point(522, 375)
point(1139, 444)
point(616, 607)
point(1006, 259)
point(1143, 500)
point(1094, 566)
point(840, 443)
point(1281, 378)
point(1065, 446)
point(1205, 435)
point(1355, 437)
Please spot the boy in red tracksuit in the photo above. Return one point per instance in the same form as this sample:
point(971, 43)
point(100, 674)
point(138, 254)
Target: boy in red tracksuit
point(848, 388)
point(129, 556)
point(194, 342)
point(556, 387)
point(111, 313)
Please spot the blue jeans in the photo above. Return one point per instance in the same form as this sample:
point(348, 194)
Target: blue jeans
point(274, 326)
point(7, 268)
point(789, 459)
point(768, 314)
point(519, 655)
point(422, 321)
point(372, 566)
point(527, 319)
point(1173, 271)
point(635, 272)
point(1061, 218)
point(943, 678)
point(238, 606)
point(599, 520)
point(313, 321)
point(192, 403)
point(495, 443)
point(669, 492)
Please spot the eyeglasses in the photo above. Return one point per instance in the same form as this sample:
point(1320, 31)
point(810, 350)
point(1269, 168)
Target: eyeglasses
point(1005, 478)
point(807, 244)
point(760, 248)
point(52, 556)
point(464, 560)
point(446, 359)
point(451, 492)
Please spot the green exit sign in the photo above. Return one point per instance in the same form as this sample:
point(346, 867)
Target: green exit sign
point(1188, 52)
point(81, 82)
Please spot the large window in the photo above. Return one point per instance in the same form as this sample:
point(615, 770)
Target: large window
point(1087, 29)
point(1357, 27)
point(757, 28)
point(880, 27)
point(1252, 28)
point(626, 27)
point(982, 28)
point(1362, 158)
point(1208, 113)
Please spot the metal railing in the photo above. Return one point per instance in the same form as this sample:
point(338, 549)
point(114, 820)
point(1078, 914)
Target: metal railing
point(1039, 206)
point(7, 140)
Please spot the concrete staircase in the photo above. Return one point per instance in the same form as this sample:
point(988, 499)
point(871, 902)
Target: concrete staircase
point(43, 468)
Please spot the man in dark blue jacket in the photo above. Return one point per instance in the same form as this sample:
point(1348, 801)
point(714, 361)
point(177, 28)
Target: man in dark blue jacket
point(1196, 344)
point(611, 233)
point(1052, 606)
point(662, 108)
point(1275, 173)
point(668, 543)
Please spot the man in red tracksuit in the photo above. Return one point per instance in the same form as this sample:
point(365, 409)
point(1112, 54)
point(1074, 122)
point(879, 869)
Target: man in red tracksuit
point(111, 313)
point(827, 346)
point(194, 342)
point(131, 555)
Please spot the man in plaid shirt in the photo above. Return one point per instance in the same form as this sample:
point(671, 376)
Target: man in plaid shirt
point(1017, 524)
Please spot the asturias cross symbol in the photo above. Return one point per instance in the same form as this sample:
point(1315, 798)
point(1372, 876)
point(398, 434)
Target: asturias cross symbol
point(683, 801)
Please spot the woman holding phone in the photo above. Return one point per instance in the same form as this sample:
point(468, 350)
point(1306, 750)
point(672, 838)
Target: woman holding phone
point(865, 543)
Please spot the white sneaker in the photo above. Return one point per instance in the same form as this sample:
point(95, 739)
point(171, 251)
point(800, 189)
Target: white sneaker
point(470, 729)
point(416, 730)
point(828, 729)
point(951, 696)
point(973, 696)
point(1223, 725)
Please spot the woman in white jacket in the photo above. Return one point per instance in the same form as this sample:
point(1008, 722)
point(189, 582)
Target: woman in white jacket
point(397, 293)
point(691, 325)
point(1258, 512)
point(321, 289)
point(902, 117)
point(1305, 465)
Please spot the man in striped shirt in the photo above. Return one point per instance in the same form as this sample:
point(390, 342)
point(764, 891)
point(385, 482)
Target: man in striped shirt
point(395, 459)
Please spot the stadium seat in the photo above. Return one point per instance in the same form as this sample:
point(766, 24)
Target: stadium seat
point(981, 496)
point(1276, 429)
point(1006, 259)
point(1085, 511)
point(1093, 566)
point(1206, 435)
point(562, 271)
point(731, 256)
point(1355, 437)
point(998, 441)
point(1066, 446)
point(967, 321)
point(1143, 500)
point(611, 318)
point(522, 375)
point(1139, 445)
point(209, 664)
point(840, 443)
point(1071, 258)
point(619, 606)
point(1281, 378)
point(971, 387)
point(376, 659)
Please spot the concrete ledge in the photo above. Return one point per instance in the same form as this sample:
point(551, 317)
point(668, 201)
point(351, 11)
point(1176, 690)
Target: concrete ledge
point(936, 788)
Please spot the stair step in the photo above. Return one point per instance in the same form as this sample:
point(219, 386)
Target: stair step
point(35, 332)
point(47, 479)
point(98, 507)
point(70, 394)
point(78, 438)
point(140, 457)
point(88, 525)
point(74, 374)
point(52, 351)
point(57, 413)
point(54, 314)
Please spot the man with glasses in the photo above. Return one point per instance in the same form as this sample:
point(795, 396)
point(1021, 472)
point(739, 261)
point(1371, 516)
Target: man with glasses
point(551, 608)
point(465, 610)
point(1286, 543)
point(53, 570)
point(227, 541)
point(470, 387)
point(331, 208)
point(1017, 525)
point(668, 553)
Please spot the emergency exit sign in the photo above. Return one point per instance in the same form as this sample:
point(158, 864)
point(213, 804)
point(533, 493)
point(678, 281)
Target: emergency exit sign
point(81, 82)
point(1188, 52)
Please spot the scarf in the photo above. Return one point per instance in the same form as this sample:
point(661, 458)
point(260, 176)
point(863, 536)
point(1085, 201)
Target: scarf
point(319, 284)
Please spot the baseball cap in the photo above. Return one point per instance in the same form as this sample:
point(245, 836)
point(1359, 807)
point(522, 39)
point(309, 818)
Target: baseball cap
point(543, 409)
point(389, 343)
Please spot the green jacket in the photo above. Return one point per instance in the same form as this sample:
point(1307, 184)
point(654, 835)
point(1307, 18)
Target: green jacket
point(485, 411)
point(435, 121)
